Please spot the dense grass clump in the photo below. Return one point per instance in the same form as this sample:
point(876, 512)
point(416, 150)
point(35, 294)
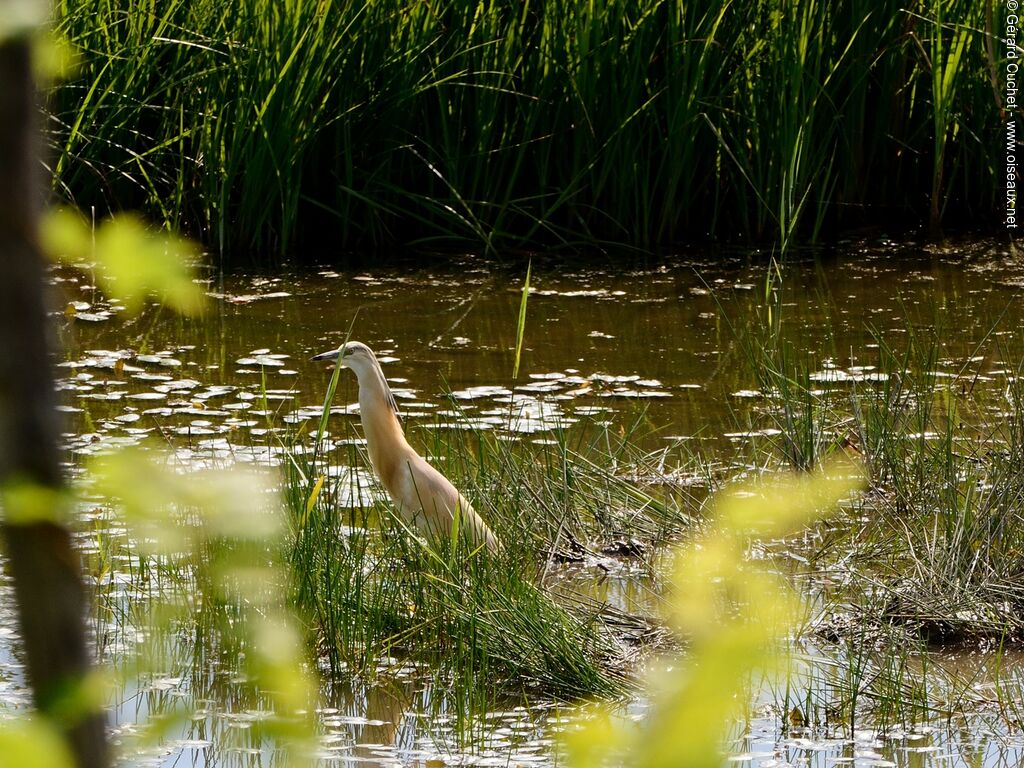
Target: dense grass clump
point(473, 616)
point(374, 589)
point(947, 537)
point(265, 128)
point(937, 547)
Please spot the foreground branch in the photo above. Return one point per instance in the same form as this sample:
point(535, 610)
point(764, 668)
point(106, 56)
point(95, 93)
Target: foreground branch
point(44, 566)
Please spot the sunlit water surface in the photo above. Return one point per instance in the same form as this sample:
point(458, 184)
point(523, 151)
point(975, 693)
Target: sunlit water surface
point(649, 344)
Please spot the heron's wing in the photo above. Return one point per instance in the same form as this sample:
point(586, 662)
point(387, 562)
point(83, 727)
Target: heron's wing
point(421, 488)
point(424, 492)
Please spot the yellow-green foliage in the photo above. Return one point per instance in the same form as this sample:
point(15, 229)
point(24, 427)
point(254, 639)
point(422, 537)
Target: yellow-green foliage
point(234, 517)
point(732, 613)
point(225, 525)
point(131, 260)
point(32, 742)
point(21, 17)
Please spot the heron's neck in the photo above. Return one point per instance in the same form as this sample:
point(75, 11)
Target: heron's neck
point(385, 441)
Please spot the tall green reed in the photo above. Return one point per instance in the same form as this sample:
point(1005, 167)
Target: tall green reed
point(261, 129)
point(374, 588)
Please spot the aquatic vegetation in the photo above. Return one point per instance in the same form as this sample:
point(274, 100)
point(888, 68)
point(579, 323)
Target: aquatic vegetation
point(497, 125)
point(373, 588)
point(222, 521)
point(599, 454)
point(735, 618)
point(939, 546)
point(203, 550)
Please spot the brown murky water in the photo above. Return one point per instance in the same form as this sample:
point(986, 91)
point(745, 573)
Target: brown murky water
point(614, 340)
point(655, 344)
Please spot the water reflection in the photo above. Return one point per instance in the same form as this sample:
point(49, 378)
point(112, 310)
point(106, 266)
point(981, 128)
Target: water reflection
point(655, 345)
point(665, 337)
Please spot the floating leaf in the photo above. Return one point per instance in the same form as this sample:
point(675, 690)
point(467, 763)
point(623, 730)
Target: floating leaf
point(138, 262)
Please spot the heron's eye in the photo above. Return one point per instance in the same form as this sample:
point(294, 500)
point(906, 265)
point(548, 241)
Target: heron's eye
point(347, 353)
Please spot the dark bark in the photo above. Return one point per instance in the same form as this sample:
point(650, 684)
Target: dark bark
point(45, 568)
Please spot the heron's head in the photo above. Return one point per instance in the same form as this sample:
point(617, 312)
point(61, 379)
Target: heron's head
point(354, 355)
point(363, 362)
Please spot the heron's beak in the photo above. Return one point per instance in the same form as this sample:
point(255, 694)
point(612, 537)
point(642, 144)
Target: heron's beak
point(332, 355)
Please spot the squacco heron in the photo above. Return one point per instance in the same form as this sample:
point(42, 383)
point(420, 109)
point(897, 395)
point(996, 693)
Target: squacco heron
point(422, 495)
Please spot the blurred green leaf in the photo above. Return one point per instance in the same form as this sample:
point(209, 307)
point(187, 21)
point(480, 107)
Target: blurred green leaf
point(779, 506)
point(594, 743)
point(240, 503)
point(86, 695)
point(54, 57)
point(25, 502)
point(64, 234)
point(138, 262)
point(735, 615)
point(31, 742)
point(21, 17)
point(278, 662)
point(227, 524)
point(132, 261)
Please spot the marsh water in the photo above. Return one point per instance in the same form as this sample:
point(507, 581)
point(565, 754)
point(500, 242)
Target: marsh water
point(650, 348)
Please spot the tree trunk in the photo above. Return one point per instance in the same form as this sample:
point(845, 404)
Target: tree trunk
point(45, 568)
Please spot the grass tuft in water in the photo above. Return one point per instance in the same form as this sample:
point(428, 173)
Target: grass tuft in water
point(373, 589)
point(937, 547)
